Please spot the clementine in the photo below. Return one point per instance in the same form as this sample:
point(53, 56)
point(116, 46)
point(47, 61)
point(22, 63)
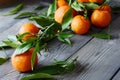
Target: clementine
point(22, 62)
point(83, 0)
point(61, 3)
point(80, 24)
point(28, 27)
point(106, 8)
point(97, 1)
point(101, 18)
point(60, 12)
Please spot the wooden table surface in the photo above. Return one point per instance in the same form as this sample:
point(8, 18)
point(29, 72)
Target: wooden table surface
point(98, 59)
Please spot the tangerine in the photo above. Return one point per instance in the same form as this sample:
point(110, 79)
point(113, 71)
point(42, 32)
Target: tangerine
point(60, 12)
point(61, 3)
point(106, 8)
point(22, 62)
point(28, 27)
point(101, 18)
point(83, 0)
point(97, 1)
point(80, 24)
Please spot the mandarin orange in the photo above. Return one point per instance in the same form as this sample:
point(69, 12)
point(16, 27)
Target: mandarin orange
point(28, 27)
point(22, 62)
point(80, 24)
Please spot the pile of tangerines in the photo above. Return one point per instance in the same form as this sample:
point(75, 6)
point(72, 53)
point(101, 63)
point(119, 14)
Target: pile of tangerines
point(100, 17)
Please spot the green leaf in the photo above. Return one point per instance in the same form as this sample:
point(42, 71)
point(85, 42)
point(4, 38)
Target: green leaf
point(64, 37)
point(78, 6)
point(101, 35)
point(42, 21)
point(91, 5)
point(67, 19)
point(26, 15)
point(39, 7)
point(12, 41)
point(52, 8)
point(3, 60)
point(58, 67)
point(3, 45)
point(106, 2)
point(23, 47)
point(37, 49)
point(20, 36)
point(37, 76)
point(70, 1)
point(15, 10)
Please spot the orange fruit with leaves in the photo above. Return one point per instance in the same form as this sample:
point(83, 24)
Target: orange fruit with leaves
point(22, 62)
point(97, 1)
point(80, 24)
point(30, 28)
point(101, 18)
point(60, 12)
point(83, 0)
point(61, 3)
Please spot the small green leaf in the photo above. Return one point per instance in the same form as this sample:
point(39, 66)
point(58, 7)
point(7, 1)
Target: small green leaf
point(67, 19)
point(70, 2)
point(12, 41)
point(22, 48)
point(101, 35)
point(3, 45)
point(39, 7)
point(106, 2)
point(19, 37)
point(78, 6)
point(64, 37)
point(15, 10)
point(3, 60)
point(58, 67)
point(91, 5)
point(37, 49)
point(26, 15)
point(42, 21)
point(38, 76)
point(52, 8)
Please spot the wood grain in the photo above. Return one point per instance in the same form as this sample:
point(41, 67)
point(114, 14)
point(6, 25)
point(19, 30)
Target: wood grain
point(98, 59)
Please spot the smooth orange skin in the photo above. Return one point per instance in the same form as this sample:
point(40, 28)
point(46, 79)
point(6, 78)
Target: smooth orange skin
point(22, 62)
point(83, 0)
point(28, 27)
point(97, 1)
point(106, 8)
point(80, 25)
point(61, 3)
point(101, 18)
point(60, 12)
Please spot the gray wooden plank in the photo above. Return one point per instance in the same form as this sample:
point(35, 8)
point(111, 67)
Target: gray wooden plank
point(99, 59)
point(117, 77)
point(9, 21)
point(59, 50)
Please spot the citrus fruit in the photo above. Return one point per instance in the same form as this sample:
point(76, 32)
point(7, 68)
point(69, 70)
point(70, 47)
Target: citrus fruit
point(60, 12)
point(80, 24)
point(97, 1)
point(22, 62)
point(83, 0)
point(101, 18)
point(61, 3)
point(30, 28)
point(106, 8)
